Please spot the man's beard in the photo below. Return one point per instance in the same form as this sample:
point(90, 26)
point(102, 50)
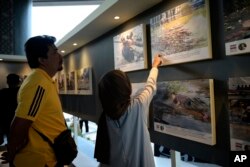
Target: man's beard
point(60, 68)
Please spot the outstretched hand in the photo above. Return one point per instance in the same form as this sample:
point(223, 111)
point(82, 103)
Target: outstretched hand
point(157, 60)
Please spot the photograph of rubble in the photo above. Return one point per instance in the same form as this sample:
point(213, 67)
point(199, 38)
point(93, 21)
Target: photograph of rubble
point(71, 82)
point(84, 81)
point(182, 34)
point(237, 26)
point(239, 113)
point(61, 82)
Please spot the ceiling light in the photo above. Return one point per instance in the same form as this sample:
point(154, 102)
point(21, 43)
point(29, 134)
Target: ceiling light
point(62, 51)
point(116, 17)
point(74, 44)
point(1, 59)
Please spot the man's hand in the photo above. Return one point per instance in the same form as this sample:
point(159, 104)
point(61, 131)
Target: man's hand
point(6, 158)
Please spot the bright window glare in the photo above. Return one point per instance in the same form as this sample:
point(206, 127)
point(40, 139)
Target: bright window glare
point(58, 20)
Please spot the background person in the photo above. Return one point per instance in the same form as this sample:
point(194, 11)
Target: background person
point(86, 125)
point(8, 104)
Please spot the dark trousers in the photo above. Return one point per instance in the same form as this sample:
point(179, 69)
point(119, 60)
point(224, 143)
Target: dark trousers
point(86, 125)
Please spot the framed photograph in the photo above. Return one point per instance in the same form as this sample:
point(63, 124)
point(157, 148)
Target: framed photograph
point(186, 109)
point(55, 78)
point(130, 51)
point(237, 27)
point(71, 82)
point(239, 113)
point(61, 82)
point(84, 81)
point(182, 34)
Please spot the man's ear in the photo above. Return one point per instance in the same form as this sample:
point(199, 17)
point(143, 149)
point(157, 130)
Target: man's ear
point(41, 60)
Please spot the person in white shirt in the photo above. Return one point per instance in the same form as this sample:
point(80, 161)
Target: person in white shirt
point(122, 137)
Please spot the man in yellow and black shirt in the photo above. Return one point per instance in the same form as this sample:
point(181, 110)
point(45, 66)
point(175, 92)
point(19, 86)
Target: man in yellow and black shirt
point(38, 108)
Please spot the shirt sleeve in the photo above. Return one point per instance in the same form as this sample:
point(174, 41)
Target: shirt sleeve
point(30, 101)
point(149, 90)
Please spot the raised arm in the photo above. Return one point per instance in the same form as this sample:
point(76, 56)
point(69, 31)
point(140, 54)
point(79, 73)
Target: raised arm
point(150, 88)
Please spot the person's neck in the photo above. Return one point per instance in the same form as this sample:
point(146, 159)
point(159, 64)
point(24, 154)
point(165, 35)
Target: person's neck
point(47, 71)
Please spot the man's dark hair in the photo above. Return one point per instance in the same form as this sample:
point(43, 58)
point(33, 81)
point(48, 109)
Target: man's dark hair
point(36, 47)
point(13, 80)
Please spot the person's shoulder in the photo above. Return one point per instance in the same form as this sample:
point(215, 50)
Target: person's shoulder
point(32, 82)
point(3, 90)
point(5, 94)
point(14, 90)
point(136, 102)
point(36, 77)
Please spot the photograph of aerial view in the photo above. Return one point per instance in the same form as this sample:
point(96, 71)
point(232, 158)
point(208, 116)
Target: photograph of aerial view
point(182, 34)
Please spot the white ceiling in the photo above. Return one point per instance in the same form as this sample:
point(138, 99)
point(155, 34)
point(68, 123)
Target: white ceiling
point(96, 24)
point(102, 21)
point(65, 1)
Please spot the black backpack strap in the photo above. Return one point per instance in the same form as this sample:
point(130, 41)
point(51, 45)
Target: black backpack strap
point(45, 138)
point(66, 123)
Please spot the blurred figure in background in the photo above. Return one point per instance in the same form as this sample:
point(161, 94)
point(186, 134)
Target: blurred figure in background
point(8, 104)
point(86, 125)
